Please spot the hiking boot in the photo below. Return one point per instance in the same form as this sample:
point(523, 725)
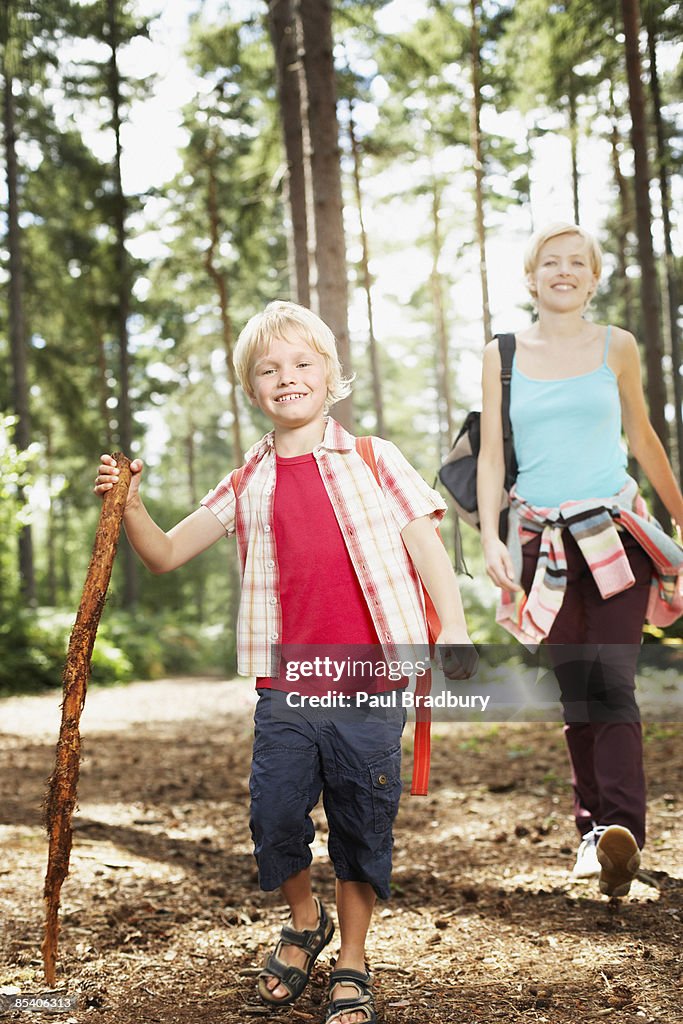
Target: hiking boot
point(619, 858)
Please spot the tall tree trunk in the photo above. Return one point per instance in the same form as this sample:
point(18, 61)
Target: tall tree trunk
point(193, 491)
point(663, 163)
point(656, 391)
point(103, 376)
point(373, 349)
point(475, 137)
point(283, 37)
point(220, 281)
point(443, 374)
point(51, 539)
point(574, 144)
point(125, 420)
point(624, 221)
point(16, 326)
point(330, 249)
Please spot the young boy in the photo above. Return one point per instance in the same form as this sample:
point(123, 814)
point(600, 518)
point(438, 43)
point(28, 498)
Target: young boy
point(327, 557)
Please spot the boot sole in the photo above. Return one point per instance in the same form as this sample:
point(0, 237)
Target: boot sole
point(619, 859)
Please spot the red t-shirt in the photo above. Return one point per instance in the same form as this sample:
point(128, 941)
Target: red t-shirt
point(323, 607)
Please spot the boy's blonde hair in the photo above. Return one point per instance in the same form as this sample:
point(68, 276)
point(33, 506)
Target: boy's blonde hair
point(538, 240)
point(278, 320)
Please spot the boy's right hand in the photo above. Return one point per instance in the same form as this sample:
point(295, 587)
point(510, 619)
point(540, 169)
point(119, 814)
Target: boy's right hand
point(108, 477)
point(499, 564)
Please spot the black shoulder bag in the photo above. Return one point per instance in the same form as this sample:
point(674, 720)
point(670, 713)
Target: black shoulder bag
point(458, 473)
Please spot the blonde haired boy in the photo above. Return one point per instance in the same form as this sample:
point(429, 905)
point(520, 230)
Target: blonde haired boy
point(327, 557)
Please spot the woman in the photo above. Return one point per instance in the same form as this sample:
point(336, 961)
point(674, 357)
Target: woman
point(574, 571)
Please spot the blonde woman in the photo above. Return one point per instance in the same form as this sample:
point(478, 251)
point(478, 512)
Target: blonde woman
point(584, 563)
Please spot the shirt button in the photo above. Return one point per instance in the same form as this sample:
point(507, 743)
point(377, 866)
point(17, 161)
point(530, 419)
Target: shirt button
point(266, 528)
point(272, 600)
point(270, 563)
point(274, 636)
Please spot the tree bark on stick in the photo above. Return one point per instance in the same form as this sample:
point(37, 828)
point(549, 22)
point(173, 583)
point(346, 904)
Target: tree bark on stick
point(62, 788)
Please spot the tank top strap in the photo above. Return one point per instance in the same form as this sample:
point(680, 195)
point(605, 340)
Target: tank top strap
point(607, 337)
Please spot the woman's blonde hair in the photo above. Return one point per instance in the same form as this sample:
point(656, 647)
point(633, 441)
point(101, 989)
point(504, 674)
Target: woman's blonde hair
point(276, 321)
point(538, 240)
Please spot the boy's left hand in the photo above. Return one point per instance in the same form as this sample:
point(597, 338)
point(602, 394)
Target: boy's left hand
point(457, 654)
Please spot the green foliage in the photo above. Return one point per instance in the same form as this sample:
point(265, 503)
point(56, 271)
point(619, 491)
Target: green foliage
point(33, 647)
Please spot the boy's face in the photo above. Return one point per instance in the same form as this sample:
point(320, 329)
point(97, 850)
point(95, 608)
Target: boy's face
point(289, 380)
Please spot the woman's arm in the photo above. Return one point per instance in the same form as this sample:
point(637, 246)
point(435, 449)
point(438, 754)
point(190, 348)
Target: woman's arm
point(643, 442)
point(159, 551)
point(491, 472)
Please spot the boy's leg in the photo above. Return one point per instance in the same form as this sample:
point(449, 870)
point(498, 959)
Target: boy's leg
point(298, 895)
point(362, 785)
point(355, 904)
point(285, 785)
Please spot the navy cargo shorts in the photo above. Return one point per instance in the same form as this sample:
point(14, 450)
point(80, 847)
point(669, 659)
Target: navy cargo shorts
point(353, 757)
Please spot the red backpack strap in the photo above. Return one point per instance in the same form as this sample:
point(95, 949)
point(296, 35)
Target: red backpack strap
point(423, 716)
point(366, 451)
point(236, 478)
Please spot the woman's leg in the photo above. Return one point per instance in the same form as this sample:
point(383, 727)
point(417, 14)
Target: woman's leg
point(572, 667)
point(593, 647)
point(615, 627)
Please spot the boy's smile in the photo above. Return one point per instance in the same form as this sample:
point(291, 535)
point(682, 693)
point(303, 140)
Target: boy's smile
point(289, 383)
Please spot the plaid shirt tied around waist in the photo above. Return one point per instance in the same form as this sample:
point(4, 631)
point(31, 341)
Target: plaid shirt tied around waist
point(593, 524)
point(370, 518)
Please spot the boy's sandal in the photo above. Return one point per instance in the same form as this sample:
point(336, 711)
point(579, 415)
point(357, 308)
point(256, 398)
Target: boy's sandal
point(295, 979)
point(362, 1002)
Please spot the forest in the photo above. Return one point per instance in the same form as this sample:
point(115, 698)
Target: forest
point(383, 162)
point(168, 168)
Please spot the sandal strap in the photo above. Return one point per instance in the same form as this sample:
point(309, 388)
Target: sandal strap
point(311, 940)
point(362, 1002)
point(293, 978)
point(347, 975)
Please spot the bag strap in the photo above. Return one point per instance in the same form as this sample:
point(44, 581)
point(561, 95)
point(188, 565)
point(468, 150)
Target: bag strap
point(423, 716)
point(506, 347)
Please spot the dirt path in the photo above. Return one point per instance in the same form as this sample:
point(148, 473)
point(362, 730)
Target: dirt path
point(162, 919)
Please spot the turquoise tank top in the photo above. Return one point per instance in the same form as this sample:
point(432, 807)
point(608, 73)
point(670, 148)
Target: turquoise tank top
point(567, 435)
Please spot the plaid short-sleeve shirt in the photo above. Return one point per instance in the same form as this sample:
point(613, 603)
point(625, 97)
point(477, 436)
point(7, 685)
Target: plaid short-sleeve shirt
point(370, 518)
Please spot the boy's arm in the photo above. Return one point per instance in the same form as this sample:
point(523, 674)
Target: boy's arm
point(431, 560)
point(159, 551)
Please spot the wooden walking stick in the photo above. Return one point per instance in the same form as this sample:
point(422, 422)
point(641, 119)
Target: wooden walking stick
point(62, 787)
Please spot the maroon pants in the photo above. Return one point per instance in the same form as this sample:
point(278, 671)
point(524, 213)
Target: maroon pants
point(594, 647)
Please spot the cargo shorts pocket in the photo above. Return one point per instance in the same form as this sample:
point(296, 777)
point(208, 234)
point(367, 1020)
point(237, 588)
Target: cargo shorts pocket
point(386, 786)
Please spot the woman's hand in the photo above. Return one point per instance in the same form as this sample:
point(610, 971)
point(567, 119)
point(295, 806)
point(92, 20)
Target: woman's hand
point(108, 477)
point(499, 565)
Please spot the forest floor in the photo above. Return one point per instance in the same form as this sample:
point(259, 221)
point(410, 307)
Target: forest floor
point(162, 919)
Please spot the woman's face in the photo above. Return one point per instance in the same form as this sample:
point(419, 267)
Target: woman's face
point(563, 279)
